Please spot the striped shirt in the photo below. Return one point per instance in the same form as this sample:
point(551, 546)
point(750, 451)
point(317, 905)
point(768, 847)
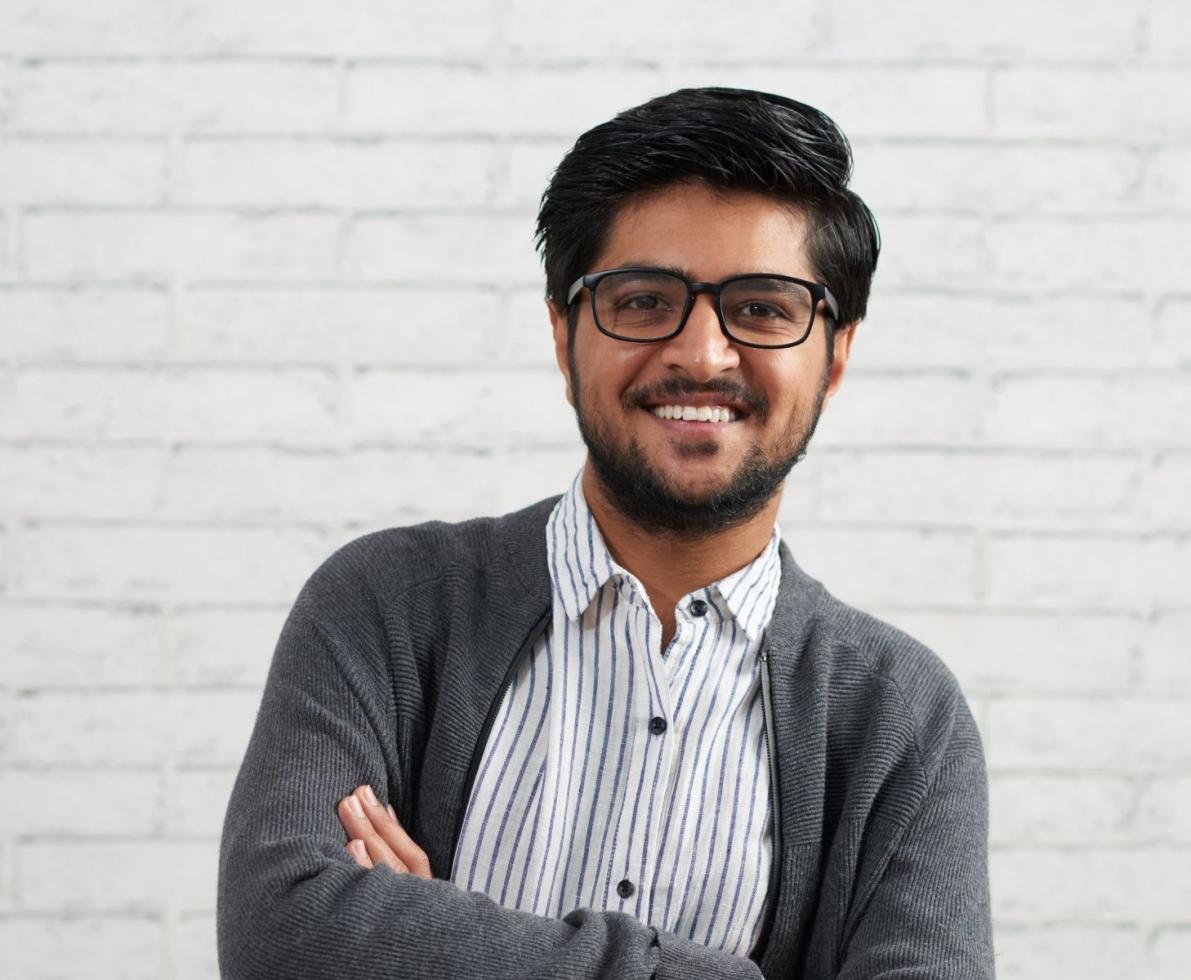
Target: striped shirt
point(621, 777)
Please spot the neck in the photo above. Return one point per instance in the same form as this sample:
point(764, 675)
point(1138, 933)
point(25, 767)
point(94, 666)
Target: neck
point(669, 564)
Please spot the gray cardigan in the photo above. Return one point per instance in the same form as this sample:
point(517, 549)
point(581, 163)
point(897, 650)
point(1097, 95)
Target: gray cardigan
point(386, 672)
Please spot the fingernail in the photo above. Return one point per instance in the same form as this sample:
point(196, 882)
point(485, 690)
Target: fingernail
point(370, 796)
point(392, 812)
point(354, 803)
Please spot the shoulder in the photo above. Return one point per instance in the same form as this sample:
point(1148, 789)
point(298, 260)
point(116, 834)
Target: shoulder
point(375, 570)
point(912, 677)
point(876, 675)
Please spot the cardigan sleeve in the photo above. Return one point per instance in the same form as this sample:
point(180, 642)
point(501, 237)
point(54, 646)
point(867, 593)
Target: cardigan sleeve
point(292, 902)
point(928, 917)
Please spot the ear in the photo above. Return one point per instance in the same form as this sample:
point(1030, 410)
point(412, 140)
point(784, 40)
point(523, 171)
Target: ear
point(558, 323)
point(842, 338)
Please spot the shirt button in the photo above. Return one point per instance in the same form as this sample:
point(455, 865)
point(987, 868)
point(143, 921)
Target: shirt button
point(625, 888)
point(698, 608)
point(657, 725)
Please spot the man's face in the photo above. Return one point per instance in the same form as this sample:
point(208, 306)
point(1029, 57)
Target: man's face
point(697, 476)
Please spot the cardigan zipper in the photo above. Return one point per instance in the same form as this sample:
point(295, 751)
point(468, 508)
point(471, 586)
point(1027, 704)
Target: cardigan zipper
point(775, 864)
point(535, 632)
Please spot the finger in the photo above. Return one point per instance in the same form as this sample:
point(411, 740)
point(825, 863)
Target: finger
point(358, 827)
point(359, 853)
point(384, 820)
point(381, 853)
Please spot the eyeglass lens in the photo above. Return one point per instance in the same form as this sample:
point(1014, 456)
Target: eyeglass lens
point(757, 309)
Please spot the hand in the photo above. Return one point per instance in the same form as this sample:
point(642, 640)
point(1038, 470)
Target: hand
point(375, 837)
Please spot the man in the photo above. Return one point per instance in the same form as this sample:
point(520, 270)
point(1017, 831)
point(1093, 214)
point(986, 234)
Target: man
point(621, 733)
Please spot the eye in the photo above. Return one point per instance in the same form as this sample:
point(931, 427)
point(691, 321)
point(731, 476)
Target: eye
point(756, 310)
point(641, 302)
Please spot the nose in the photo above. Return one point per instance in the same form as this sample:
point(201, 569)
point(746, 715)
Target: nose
point(702, 350)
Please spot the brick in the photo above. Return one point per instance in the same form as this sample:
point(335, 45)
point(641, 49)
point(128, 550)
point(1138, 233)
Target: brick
point(187, 244)
point(1170, 952)
point(1001, 331)
point(223, 646)
point(991, 488)
point(471, 249)
point(1087, 102)
point(525, 336)
point(470, 99)
point(531, 473)
point(935, 252)
point(457, 409)
point(8, 259)
point(7, 898)
point(1173, 337)
point(930, 29)
point(216, 96)
point(223, 27)
point(181, 563)
point(1164, 810)
point(1125, 411)
point(360, 28)
point(1163, 493)
point(995, 178)
point(667, 29)
point(70, 171)
point(44, 481)
point(1170, 29)
point(997, 651)
point(58, 27)
point(55, 947)
point(198, 800)
point(1118, 734)
point(1166, 182)
point(195, 947)
point(44, 644)
point(55, 323)
point(382, 485)
point(1090, 952)
point(1110, 885)
point(1165, 658)
point(1088, 571)
point(352, 173)
point(863, 565)
point(132, 728)
point(117, 876)
point(337, 324)
point(1061, 809)
point(172, 403)
point(1084, 253)
point(526, 169)
point(118, 802)
point(867, 101)
point(901, 408)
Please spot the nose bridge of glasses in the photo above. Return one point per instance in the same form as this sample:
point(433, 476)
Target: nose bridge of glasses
point(710, 306)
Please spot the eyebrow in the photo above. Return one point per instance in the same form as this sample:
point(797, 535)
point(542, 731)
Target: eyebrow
point(674, 270)
point(677, 270)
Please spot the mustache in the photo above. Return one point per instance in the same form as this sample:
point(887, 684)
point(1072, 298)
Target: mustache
point(732, 390)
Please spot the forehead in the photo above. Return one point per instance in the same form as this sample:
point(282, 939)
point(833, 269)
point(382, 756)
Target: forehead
point(709, 233)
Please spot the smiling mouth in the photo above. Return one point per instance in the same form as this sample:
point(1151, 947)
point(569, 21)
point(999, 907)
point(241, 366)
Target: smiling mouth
point(695, 413)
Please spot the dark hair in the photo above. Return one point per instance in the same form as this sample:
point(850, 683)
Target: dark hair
point(728, 139)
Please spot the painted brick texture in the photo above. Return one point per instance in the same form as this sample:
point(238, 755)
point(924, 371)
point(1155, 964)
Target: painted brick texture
point(267, 283)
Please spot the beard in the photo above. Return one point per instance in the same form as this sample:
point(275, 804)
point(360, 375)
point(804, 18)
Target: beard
point(645, 497)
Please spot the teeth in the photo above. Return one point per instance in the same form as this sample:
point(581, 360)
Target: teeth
point(691, 413)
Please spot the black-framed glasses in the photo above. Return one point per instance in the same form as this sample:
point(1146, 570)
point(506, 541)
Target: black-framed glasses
point(643, 305)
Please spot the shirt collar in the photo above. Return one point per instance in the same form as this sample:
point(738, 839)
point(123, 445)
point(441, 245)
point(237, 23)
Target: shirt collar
point(580, 564)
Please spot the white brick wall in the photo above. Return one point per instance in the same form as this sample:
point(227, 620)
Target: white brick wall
point(226, 235)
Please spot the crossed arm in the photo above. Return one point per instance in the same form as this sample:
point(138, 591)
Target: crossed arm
point(377, 837)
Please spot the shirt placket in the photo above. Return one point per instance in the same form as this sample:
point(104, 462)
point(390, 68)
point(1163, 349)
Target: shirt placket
point(631, 879)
